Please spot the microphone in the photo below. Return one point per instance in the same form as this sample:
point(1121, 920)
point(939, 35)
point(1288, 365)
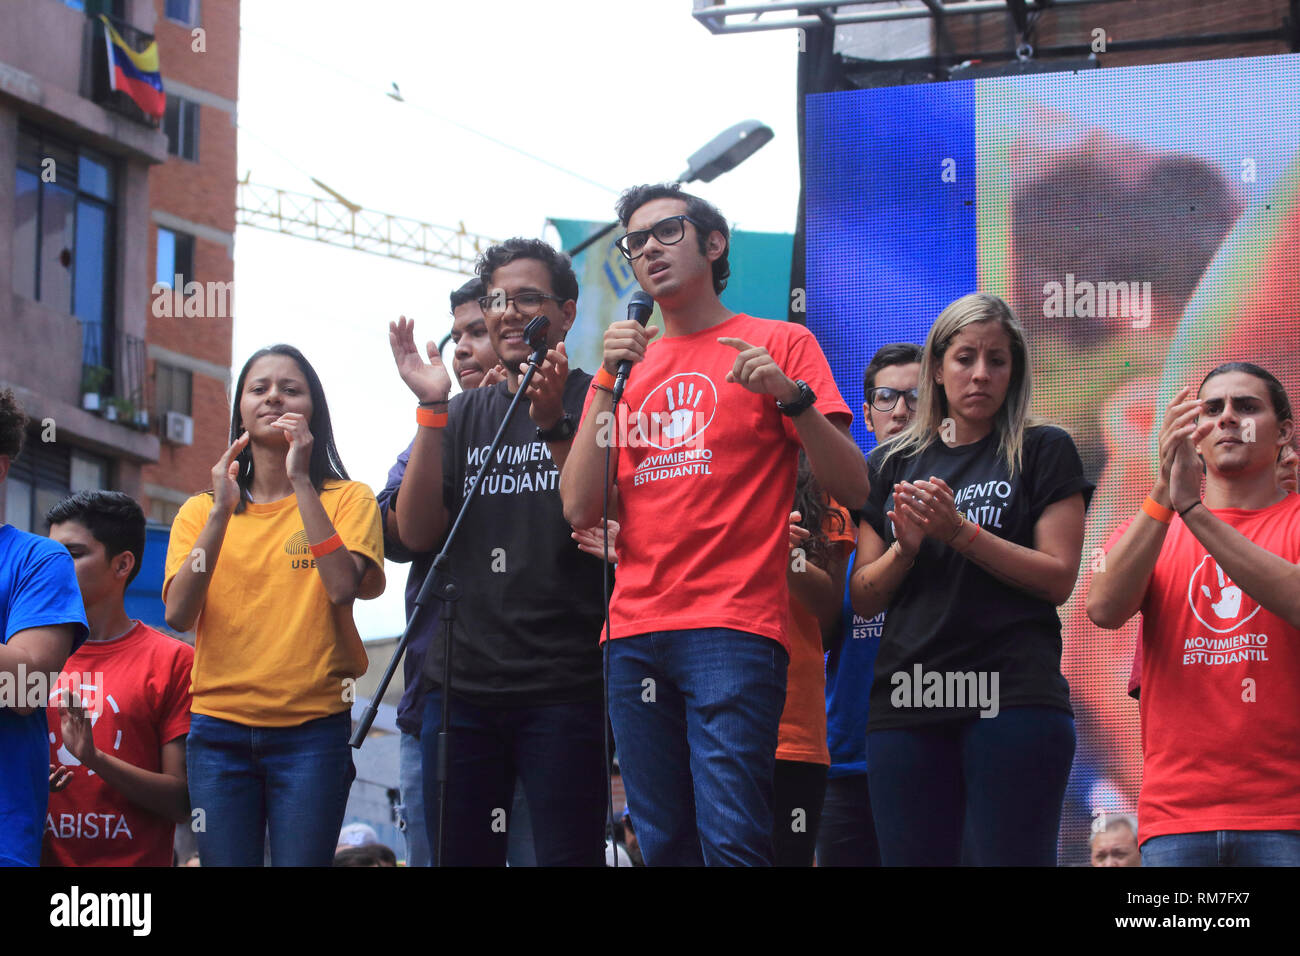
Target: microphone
point(639, 308)
point(535, 336)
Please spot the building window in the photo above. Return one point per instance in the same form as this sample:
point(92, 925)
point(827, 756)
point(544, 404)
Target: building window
point(175, 258)
point(64, 222)
point(181, 124)
point(39, 478)
point(162, 512)
point(173, 389)
point(87, 473)
point(185, 12)
point(112, 7)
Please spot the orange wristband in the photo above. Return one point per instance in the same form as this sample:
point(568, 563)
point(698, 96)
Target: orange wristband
point(978, 529)
point(330, 544)
point(430, 419)
point(1158, 511)
point(603, 379)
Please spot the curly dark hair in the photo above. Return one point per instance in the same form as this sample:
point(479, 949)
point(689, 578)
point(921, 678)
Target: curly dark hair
point(13, 424)
point(813, 506)
point(705, 213)
point(563, 281)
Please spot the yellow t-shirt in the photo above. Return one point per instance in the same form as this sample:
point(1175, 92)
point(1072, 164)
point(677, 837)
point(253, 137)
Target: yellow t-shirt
point(270, 649)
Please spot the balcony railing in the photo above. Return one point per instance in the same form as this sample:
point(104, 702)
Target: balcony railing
point(114, 377)
point(97, 83)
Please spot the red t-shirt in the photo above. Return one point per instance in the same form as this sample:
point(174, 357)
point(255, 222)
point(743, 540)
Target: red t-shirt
point(706, 473)
point(1219, 677)
point(141, 690)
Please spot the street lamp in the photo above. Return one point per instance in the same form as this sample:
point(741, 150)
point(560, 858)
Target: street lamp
point(720, 155)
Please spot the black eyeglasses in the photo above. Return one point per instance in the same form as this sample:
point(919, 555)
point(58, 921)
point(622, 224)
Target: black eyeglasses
point(526, 303)
point(884, 399)
point(668, 231)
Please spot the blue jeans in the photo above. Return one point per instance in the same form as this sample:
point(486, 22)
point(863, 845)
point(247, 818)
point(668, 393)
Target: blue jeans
point(695, 717)
point(1224, 848)
point(557, 751)
point(847, 836)
point(410, 784)
point(1001, 779)
point(292, 782)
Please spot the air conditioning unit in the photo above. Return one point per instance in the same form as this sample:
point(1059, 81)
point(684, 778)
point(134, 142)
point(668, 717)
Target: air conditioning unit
point(180, 429)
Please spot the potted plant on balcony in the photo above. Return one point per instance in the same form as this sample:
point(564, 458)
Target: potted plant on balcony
point(120, 410)
point(93, 378)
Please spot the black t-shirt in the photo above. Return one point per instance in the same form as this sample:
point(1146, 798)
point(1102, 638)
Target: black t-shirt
point(527, 627)
point(952, 618)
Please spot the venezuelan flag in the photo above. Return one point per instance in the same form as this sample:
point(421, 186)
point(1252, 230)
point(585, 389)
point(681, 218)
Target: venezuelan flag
point(135, 74)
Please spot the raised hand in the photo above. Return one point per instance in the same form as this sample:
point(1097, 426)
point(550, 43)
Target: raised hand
point(225, 489)
point(59, 777)
point(907, 532)
point(297, 460)
point(546, 388)
point(756, 370)
point(798, 535)
point(1179, 423)
point(431, 382)
point(77, 729)
point(497, 373)
point(1185, 469)
point(930, 506)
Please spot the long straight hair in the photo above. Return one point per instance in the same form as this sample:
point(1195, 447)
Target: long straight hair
point(325, 461)
point(1011, 419)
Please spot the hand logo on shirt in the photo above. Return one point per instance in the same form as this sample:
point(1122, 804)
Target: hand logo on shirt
point(677, 411)
point(679, 417)
point(1215, 600)
point(1229, 602)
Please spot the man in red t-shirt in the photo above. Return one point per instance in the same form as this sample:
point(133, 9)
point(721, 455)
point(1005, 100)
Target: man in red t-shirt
point(123, 707)
point(703, 452)
point(1219, 592)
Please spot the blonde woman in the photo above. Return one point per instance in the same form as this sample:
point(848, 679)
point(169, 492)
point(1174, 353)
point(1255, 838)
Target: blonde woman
point(970, 540)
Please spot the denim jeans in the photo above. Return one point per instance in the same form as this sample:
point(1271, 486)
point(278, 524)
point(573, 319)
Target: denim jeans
point(1224, 848)
point(410, 784)
point(290, 782)
point(695, 717)
point(1001, 780)
point(557, 751)
point(847, 836)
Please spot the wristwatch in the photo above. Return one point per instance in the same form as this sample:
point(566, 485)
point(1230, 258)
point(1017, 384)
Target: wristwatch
point(800, 404)
point(562, 430)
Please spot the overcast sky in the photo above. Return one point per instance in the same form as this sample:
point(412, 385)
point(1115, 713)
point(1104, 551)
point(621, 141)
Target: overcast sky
point(616, 92)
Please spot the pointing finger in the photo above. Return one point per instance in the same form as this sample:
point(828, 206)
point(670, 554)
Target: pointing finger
point(740, 345)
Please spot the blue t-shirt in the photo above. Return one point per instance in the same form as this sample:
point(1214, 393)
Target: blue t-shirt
point(410, 709)
point(849, 666)
point(38, 588)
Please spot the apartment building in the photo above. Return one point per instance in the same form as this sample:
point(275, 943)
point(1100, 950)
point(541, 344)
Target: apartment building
point(116, 249)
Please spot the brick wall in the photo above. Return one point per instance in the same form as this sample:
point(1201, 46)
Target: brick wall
point(202, 193)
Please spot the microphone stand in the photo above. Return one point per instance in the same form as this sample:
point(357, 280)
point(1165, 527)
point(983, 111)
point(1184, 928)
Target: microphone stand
point(440, 581)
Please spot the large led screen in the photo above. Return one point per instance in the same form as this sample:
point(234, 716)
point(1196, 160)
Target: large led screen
point(1143, 223)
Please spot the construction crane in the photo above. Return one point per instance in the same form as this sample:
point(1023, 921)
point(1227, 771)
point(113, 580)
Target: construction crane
point(339, 222)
